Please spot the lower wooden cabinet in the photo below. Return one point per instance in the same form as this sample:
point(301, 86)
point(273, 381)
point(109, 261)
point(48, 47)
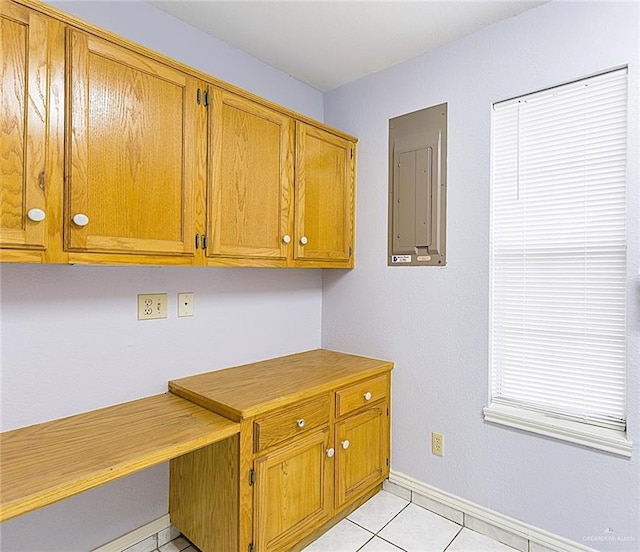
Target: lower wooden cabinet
point(292, 492)
point(314, 441)
point(361, 452)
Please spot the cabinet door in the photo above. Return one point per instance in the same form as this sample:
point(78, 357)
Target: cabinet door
point(252, 169)
point(23, 110)
point(361, 453)
point(132, 151)
point(324, 195)
point(293, 492)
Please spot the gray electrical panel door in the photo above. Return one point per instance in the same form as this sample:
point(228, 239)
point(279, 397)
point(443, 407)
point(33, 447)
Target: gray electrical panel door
point(417, 188)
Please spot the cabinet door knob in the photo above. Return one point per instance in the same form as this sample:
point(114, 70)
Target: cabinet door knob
point(304, 240)
point(367, 396)
point(345, 444)
point(81, 219)
point(36, 215)
point(300, 422)
point(286, 238)
point(331, 452)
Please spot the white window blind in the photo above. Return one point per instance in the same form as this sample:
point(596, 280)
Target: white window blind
point(558, 251)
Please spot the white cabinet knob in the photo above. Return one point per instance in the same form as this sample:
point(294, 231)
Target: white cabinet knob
point(286, 238)
point(300, 422)
point(36, 215)
point(304, 240)
point(81, 219)
point(367, 396)
point(345, 444)
point(331, 452)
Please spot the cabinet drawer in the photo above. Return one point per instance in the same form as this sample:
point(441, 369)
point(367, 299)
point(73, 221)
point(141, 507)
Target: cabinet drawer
point(289, 422)
point(360, 394)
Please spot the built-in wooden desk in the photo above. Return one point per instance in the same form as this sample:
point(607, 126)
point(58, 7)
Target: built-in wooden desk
point(313, 445)
point(47, 462)
point(264, 456)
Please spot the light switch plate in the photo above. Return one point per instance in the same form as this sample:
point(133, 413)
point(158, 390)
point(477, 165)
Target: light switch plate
point(185, 304)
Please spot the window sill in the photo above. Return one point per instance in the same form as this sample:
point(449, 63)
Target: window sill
point(599, 438)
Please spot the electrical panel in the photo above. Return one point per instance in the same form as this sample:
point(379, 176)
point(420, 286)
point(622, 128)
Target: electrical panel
point(417, 188)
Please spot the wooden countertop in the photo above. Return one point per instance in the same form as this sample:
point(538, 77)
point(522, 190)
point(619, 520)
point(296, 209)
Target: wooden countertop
point(47, 462)
point(248, 390)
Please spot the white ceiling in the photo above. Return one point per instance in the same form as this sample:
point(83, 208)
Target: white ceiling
point(327, 44)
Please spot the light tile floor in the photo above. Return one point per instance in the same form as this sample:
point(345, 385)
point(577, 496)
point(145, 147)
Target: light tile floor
point(388, 523)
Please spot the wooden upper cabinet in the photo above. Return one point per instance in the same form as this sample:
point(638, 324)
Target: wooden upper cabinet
point(251, 171)
point(24, 93)
point(132, 135)
point(324, 195)
point(132, 158)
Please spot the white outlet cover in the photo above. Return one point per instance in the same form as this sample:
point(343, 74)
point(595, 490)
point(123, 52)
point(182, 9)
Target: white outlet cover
point(185, 304)
point(152, 306)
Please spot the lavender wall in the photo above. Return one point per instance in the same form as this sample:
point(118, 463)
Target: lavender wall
point(70, 338)
point(433, 322)
point(71, 342)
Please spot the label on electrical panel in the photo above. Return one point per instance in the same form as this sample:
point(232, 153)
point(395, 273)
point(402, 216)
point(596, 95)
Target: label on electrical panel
point(400, 258)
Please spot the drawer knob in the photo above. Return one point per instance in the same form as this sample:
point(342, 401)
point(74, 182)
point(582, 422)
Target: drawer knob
point(304, 240)
point(331, 452)
point(36, 215)
point(300, 422)
point(367, 396)
point(286, 238)
point(345, 444)
point(81, 219)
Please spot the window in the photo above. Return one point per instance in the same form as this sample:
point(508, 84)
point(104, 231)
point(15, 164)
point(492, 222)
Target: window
point(558, 262)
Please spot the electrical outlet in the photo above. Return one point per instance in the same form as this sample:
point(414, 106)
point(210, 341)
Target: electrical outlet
point(437, 444)
point(185, 304)
point(152, 305)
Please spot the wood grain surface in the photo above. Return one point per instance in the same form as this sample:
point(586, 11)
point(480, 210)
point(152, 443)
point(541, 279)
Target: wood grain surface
point(324, 178)
point(47, 462)
point(276, 382)
point(353, 397)
point(116, 39)
point(204, 487)
point(363, 463)
point(292, 483)
point(131, 123)
point(24, 82)
point(291, 421)
point(251, 178)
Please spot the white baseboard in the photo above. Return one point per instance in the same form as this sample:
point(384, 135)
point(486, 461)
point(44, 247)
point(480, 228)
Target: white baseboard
point(141, 533)
point(534, 535)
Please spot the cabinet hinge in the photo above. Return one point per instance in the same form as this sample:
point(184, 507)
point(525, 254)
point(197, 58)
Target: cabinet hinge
point(387, 410)
point(387, 462)
point(198, 96)
point(206, 98)
point(351, 153)
point(252, 477)
point(350, 250)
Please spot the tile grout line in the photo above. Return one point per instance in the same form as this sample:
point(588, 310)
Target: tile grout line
point(365, 544)
point(392, 543)
point(381, 528)
point(454, 538)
